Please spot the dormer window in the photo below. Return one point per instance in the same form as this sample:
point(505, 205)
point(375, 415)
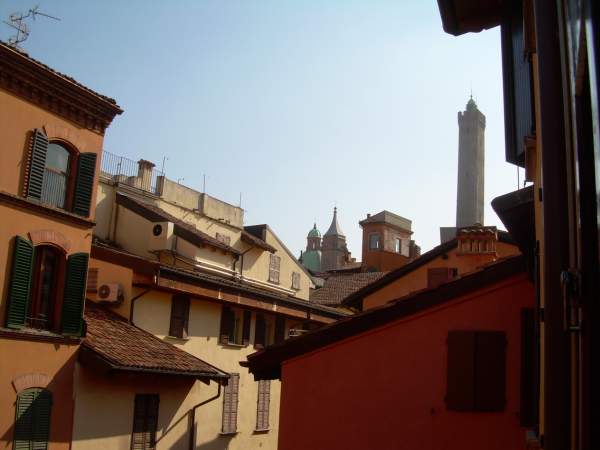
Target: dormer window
point(374, 241)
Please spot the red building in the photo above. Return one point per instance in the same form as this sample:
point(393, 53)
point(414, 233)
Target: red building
point(443, 368)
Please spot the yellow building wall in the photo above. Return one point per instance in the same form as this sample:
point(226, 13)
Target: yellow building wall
point(417, 279)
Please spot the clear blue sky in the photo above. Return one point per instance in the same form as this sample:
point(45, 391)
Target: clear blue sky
point(298, 105)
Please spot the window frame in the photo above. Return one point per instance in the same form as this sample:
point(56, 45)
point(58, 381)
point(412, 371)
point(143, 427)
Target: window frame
point(71, 176)
point(378, 237)
point(183, 303)
point(58, 285)
point(145, 397)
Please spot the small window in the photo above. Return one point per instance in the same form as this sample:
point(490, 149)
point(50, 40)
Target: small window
point(48, 264)
point(56, 175)
point(374, 242)
point(180, 311)
point(263, 404)
point(230, 404)
point(32, 419)
point(295, 280)
point(264, 331)
point(437, 276)
point(398, 245)
point(274, 268)
point(235, 326)
point(223, 238)
point(145, 422)
point(476, 371)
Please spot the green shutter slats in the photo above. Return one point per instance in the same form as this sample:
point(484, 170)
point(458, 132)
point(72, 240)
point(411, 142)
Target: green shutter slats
point(36, 165)
point(20, 283)
point(32, 421)
point(84, 186)
point(72, 308)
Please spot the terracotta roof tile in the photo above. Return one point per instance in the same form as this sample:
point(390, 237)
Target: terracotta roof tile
point(127, 347)
point(339, 286)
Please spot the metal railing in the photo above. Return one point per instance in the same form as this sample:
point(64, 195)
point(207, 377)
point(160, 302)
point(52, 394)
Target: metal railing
point(138, 174)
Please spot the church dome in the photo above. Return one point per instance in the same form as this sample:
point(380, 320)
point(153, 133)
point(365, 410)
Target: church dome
point(471, 105)
point(314, 232)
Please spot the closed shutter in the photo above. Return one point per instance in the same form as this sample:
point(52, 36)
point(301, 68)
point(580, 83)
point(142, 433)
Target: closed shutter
point(528, 410)
point(180, 311)
point(274, 266)
point(439, 275)
point(32, 421)
point(145, 422)
point(84, 186)
point(74, 297)
point(259, 332)
point(246, 328)
point(490, 371)
point(263, 403)
point(227, 323)
point(295, 280)
point(36, 165)
point(20, 283)
point(279, 329)
point(460, 373)
point(230, 404)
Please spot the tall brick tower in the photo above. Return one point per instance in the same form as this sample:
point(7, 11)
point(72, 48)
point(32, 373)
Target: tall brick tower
point(334, 252)
point(471, 152)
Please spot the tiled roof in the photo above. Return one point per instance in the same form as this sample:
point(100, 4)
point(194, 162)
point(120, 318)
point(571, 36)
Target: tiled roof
point(339, 286)
point(126, 347)
point(183, 229)
point(71, 80)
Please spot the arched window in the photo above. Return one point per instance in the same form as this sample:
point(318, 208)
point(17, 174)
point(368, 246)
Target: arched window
point(48, 270)
point(32, 419)
point(56, 175)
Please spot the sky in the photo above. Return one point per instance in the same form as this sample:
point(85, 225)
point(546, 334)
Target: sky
point(294, 106)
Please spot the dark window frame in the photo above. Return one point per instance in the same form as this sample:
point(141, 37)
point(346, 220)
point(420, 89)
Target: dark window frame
point(148, 425)
point(55, 300)
point(378, 246)
point(180, 316)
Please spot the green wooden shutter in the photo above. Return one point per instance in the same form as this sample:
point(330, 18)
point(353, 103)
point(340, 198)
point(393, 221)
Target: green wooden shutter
point(72, 308)
point(36, 165)
point(32, 421)
point(20, 283)
point(84, 186)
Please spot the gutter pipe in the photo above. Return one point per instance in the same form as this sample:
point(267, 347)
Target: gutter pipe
point(192, 433)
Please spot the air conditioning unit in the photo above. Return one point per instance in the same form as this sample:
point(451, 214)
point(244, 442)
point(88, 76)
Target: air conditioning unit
point(160, 236)
point(296, 332)
point(110, 293)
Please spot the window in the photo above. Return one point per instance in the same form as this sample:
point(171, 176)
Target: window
point(32, 419)
point(279, 330)
point(264, 331)
point(440, 275)
point(235, 326)
point(263, 403)
point(274, 266)
point(145, 422)
point(374, 243)
point(476, 371)
point(230, 404)
point(58, 176)
point(180, 311)
point(46, 289)
point(295, 280)
point(224, 239)
point(46, 269)
point(398, 245)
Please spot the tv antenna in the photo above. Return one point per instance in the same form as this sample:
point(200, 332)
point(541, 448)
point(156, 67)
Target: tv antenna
point(18, 22)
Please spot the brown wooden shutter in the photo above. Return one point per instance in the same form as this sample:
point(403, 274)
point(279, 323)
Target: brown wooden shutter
point(145, 422)
point(527, 415)
point(92, 280)
point(230, 404)
point(180, 311)
point(279, 329)
point(247, 317)
point(440, 275)
point(227, 319)
point(490, 371)
point(259, 332)
point(274, 268)
point(263, 405)
point(460, 393)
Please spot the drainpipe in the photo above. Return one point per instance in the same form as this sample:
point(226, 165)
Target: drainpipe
point(192, 433)
point(241, 255)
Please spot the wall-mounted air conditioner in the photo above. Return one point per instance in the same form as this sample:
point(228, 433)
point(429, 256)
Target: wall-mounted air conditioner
point(160, 236)
point(110, 293)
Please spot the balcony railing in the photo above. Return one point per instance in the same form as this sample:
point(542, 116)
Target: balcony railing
point(138, 174)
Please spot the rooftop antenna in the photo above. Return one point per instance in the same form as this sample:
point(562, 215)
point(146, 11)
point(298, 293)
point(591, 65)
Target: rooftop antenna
point(17, 21)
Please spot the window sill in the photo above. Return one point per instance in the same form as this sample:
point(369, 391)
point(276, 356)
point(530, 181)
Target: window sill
point(230, 344)
point(175, 338)
point(32, 334)
point(231, 433)
point(261, 430)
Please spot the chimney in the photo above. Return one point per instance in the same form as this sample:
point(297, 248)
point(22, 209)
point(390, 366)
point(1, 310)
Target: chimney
point(145, 174)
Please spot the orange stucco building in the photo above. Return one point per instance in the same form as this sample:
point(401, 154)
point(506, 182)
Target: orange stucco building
point(52, 130)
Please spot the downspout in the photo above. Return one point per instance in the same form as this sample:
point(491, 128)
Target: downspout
point(192, 433)
point(242, 262)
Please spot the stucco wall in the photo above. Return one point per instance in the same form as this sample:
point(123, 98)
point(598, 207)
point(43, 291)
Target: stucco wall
point(417, 279)
point(52, 360)
point(385, 389)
